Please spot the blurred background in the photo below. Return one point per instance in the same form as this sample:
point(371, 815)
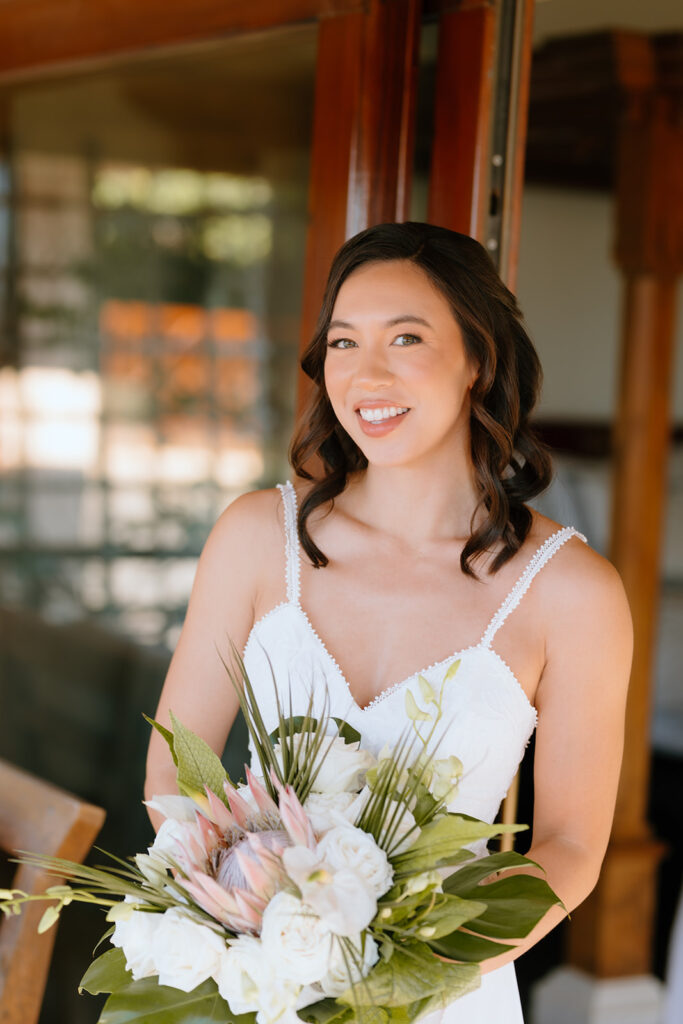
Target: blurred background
point(154, 215)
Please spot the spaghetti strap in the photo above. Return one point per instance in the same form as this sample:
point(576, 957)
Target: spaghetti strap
point(292, 566)
point(546, 551)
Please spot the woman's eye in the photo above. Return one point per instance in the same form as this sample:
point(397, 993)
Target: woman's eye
point(407, 339)
point(340, 343)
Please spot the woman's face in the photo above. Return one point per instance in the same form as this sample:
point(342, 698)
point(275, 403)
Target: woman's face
point(396, 369)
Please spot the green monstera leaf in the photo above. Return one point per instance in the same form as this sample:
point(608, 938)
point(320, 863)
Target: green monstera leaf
point(147, 1002)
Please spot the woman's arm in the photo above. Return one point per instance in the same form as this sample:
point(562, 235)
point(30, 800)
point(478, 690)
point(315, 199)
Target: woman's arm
point(581, 703)
point(197, 688)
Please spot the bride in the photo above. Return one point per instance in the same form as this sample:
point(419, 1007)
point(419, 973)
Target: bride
point(415, 511)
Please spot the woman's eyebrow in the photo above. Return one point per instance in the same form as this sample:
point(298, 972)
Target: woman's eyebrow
point(407, 318)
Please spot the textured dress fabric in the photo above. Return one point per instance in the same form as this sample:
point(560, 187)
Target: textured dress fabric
point(488, 719)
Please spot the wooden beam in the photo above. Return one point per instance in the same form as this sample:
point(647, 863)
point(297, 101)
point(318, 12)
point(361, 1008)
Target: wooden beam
point(458, 186)
point(363, 125)
point(382, 153)
point(41, 35)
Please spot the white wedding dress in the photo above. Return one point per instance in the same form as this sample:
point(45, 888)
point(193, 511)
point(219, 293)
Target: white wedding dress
point(490, 720)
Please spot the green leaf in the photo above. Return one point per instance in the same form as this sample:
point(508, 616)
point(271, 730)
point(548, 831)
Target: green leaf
point(49, 918)
point(166, 733)
point(451, 671)
point(147, 1002)
point(326, 1011)
point(411, 974)
point(412, 710)
point(426, 690)
point(461, 945)
point(441, 840)
point(304, 723)
point(449, 913)
point(514, 905)
point(425, 805)
point(293, 726)
point(106, 974)
point(346, 731)
point(198, 765)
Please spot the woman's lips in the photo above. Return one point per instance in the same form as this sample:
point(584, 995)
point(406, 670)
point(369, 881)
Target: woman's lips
point(382, 427)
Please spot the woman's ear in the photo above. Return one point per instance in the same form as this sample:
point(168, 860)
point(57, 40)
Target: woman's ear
point(473, 375)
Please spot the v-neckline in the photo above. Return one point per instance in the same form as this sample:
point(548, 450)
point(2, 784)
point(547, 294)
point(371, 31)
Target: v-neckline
point(388, 690)
point(293, 577)
point(395, 687)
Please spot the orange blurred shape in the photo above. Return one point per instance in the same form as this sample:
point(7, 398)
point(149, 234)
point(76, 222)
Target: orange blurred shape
point(125, 319)
point(232, 325)
point(184, 323)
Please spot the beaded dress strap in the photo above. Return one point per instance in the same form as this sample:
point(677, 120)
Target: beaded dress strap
point(292, 567)
point(546, 551)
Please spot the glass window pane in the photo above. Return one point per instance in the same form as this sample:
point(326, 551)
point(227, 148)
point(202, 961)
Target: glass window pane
point(152, 231)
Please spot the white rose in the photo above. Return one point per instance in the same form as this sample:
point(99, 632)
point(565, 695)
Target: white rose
point(350, 847)
point(346, 904)
point(325, 809)
point(349, 966)
point(133, 935)
point(247, 981)
point(295, 939)
point(342, 899)
point(359, 804)
point(236, 973)
point(185, 953)
point(342, 768)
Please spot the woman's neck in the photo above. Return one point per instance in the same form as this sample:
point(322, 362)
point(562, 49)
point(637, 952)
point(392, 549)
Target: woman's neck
point(419, 503)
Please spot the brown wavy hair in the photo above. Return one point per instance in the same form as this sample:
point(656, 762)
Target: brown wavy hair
point(510, 464)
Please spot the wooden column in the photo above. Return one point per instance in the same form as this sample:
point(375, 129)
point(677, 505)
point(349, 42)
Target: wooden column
point(611, 934)
point(362, 157)
point(459, 181)
point(480, 122)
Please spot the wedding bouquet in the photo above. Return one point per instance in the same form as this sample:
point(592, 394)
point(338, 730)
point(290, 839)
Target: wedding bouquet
point(319, 889)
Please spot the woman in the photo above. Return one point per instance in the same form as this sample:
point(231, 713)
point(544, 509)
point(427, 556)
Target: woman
point(424, 379)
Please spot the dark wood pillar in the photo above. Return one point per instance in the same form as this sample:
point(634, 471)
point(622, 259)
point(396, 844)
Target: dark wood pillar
point(480, 122)
point(611, 934)
point(362, 133)
point(459, 181)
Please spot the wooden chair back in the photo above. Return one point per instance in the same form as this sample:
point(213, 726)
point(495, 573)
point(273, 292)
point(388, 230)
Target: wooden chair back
point(37, 817)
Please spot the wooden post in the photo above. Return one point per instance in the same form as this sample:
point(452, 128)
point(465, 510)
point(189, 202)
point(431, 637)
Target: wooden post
point(361, 163)
point(480, 123)
point(611, 934)
point(458, 186)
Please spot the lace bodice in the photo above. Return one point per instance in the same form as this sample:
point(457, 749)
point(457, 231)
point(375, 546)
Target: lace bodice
point(487, 717)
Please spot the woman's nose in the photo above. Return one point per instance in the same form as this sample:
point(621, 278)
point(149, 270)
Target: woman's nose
point(373, 369)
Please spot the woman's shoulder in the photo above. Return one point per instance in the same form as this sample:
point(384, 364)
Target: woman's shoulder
point(254, 516)
point(583, 584)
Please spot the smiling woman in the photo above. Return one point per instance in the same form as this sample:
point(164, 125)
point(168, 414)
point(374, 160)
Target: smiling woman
point(469, 369)
point(438, 578)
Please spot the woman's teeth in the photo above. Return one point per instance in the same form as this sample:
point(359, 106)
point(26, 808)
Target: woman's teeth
point(376, 415)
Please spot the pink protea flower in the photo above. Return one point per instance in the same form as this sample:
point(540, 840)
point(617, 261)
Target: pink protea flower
point(232, 858)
